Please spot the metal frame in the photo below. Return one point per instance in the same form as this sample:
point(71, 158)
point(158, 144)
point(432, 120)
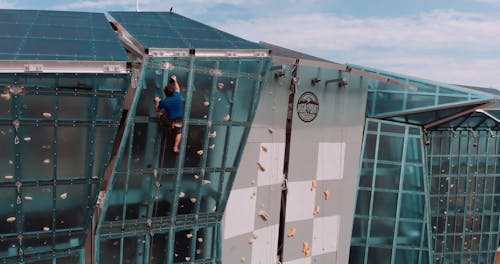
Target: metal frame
point(63, 66)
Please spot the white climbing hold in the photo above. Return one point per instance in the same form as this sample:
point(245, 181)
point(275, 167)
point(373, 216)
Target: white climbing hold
point(27, 139)
point(189, 235)
point(263, 215)
point(181, 195)
point(46, 161)
point(11, 219)
point(206, 103)
point(199, 152)
point(214, 209)
point(8, 177)
point(205, 182)
point(193, 200)
point(47, 115)
point(227, 117)
point(211, 146)
point(64, 196)
point(213, 134)
point(220, 85)
point(200, 239)
point(196, 176)
point(45, 228)
point(187, 258)
point(198, 251)
point(28, 198)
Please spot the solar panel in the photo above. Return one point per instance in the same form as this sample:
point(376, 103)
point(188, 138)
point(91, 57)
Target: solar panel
point(57, 35)
point(171, 30)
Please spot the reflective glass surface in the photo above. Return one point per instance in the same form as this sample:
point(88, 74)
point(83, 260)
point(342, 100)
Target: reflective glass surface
point(390, 221)
point(171, 30)
point(407, 104)
point(57, 35)
point(55, 145)
point(178, 200)
point(464, 187)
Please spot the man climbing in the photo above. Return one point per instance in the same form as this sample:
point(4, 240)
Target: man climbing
point(172, 108)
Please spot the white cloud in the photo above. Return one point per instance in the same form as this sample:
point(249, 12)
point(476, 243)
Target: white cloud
point(444, 45)
point(436, 29)
point(493, 2)
point(99, 4)
point(7, 4)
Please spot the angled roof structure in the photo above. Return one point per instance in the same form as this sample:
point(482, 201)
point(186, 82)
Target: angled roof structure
point(167, 33)
point(57, 35)
point(423, 102)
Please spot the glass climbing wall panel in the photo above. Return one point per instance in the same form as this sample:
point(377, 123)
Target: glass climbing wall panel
point(55, 139)
point(390, 220)
point(465, 195)
point(417, 101)
point(166, 199)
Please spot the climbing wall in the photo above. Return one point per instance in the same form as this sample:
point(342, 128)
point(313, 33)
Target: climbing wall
point(325, 144)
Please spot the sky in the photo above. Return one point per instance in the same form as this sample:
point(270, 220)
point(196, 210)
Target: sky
point(452, 41)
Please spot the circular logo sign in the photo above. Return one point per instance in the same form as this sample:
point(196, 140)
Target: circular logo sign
point(308, 107)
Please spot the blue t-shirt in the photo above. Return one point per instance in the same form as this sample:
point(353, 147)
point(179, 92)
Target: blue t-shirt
point(172, 106)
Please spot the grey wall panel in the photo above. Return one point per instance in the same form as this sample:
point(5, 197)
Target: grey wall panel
point(325, 150)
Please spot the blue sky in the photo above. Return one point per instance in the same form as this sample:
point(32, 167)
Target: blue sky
point(453, 41)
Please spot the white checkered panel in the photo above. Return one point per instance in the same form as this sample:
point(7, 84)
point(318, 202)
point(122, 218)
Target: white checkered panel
point(265, 246)
point(299, 261)
point(300, 201)
point(272, 157)
point(325, 235)
point(330, 160)
point(240, 212)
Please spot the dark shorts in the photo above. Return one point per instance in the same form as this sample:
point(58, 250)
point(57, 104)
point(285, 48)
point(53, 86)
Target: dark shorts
point(175, 126)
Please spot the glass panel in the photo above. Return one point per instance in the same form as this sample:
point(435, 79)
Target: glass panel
point(233, 147)
point(217, 137)
point(409, 234)
point(7, 153)
point(71, 201)
point(388, 176)
point(381, 255)
point(74, 107)
point(243, 97)
point(37, 245)
point(159, 249)
point(390, 148)
point(8, 203)
point(413, 178)
point(165, 195)
point(412, 206)
point(110, 251)
point(183, 246)
point(72, 155)
point(384, 204)
point(34, 106)
point(36, 146)
point(210, 191)
point(103, 143)
point(38, 210)
point(205, 241)
point(194, 146)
